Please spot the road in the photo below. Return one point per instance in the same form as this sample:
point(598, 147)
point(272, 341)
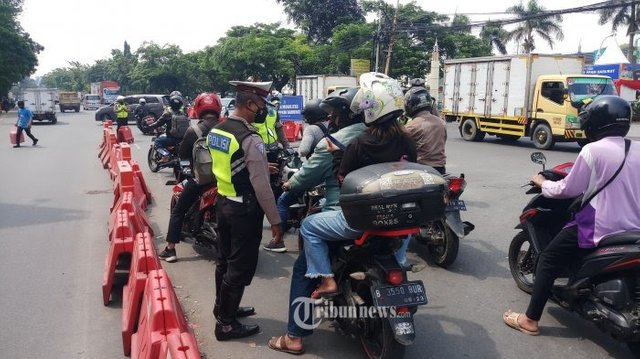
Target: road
point(54, 209)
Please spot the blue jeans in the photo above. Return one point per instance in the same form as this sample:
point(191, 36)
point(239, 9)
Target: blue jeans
point(316, 230)
point(166, 141)
point(301, 287)
point(285, 200)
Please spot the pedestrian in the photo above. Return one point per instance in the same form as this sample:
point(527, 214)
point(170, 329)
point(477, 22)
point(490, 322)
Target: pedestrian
point(244, 197)
point(428, 131)
point(122, 116)
point(207, 109)
point(25, 117)
point(614, 209)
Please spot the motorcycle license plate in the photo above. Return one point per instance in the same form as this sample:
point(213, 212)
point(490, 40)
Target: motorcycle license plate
point(456, 205)
point(405, 294)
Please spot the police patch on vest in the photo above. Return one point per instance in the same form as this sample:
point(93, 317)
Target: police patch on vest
point(219, 142)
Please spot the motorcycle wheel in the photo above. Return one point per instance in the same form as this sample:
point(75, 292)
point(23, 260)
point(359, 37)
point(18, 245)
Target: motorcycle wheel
point(443, 244)
point(522, 261)
point(151, 160)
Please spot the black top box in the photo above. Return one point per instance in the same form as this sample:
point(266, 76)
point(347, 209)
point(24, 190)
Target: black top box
point(392, 195)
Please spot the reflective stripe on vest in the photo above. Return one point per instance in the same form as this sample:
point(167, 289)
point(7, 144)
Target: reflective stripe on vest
point(222, 145)
point(267, 130)
point(121, 111)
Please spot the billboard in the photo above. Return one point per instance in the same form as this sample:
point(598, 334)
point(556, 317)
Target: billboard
point(290, 108)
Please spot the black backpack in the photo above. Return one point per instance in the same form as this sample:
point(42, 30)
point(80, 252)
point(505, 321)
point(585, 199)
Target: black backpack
point(179, 124)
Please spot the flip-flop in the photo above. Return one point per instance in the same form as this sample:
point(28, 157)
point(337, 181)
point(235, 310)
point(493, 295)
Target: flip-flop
point(316, 294)
point(511, 319)
point(280, 344)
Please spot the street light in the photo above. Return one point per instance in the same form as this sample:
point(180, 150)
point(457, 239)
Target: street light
point(602, 43)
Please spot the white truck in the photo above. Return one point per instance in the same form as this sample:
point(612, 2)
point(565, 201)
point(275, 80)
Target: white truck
point(42, 102)
point(534, 95)
point(319, 86)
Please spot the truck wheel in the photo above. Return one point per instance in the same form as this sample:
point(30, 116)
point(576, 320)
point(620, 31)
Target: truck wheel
point(469, 130)
point(542, 137)
point(54, 120)
point(77, 109)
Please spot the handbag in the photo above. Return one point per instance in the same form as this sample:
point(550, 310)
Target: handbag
point(579, 203)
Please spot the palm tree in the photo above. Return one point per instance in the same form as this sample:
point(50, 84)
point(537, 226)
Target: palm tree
point(534, 21)
point(493, 34)
point(620, 15)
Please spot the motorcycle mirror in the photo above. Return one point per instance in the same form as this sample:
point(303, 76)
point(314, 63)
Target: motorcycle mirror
point(539, 158)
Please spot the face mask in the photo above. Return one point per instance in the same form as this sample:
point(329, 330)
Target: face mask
point(260, 116)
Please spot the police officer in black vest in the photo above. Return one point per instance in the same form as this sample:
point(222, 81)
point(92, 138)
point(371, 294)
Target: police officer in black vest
point(244, 197)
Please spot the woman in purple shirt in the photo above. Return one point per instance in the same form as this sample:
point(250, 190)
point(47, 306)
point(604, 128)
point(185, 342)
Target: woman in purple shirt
point(615, 209)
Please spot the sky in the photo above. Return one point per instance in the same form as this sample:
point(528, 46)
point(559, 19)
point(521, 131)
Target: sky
point(87, 30)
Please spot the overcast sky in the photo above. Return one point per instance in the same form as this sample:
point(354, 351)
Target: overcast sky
point(87, 30)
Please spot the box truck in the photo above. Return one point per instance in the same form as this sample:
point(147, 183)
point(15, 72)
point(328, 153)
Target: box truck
point(42, 102)
point(320, 86)
point(69, 101)
point(107, 90)
point(536, 96)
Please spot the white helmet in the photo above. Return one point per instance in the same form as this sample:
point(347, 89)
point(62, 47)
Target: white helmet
point(380, 97)
point(142, 100)
point(120, 98)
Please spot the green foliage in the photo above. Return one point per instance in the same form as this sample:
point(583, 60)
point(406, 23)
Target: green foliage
point(546, 27)
point(18, 52)
point(494, 35)
point(623, 15)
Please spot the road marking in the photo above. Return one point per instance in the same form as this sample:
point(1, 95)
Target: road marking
point(136, 145)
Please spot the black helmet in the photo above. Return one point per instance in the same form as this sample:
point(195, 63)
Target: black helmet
point(417, 99)
point(340, 100)
point(313, 111)
point(605, 116)
point(175, 102)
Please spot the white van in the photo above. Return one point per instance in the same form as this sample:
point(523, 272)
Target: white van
point(91, 102)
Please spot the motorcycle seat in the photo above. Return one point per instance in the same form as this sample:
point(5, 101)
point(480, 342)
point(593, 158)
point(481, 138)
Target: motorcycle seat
point(620, 238)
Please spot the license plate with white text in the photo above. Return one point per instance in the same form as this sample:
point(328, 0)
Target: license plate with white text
point(405, 294)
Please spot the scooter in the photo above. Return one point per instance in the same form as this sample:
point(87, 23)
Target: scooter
point(603, 287)
point(156, 155)
point(442, 236)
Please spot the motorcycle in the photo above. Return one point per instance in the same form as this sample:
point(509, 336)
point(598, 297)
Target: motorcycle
point(155, 156)
point(287, 161)
point(200, 220)
point(442, 236)
point(144, 122)
point(603, 287)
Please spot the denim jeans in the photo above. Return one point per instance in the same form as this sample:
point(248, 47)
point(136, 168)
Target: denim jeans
point(166, 141)
point(301, 287)
point(285, 200)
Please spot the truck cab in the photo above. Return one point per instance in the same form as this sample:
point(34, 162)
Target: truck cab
point(556, 102)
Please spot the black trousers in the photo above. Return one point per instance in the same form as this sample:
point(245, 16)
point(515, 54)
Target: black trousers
point(27, 130)
point(240, 230)
point(188, 197)
point(562, 250)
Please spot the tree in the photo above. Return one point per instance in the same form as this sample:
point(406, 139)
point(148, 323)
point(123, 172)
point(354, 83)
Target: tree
point(318, 18)
point(72, 78)
point(494, 35)
point(621, 15)
point(534, 21)
point(18, 52)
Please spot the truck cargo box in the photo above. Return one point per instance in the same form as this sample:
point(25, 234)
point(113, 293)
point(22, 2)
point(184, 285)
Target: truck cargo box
point(392, 195)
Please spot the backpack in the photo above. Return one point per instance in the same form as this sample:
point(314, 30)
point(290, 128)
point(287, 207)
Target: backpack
point(201, 159)
point(179, 124)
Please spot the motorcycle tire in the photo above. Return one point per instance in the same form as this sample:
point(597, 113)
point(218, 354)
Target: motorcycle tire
point(443, 251)
point(522, 263)
point(151, 160)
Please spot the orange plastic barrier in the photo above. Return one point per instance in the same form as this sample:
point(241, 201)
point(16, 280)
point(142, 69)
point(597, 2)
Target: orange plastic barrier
point(125, 135)
point(143, 185)
point(293, 130)
point(144, 260)
point(137, 217)
point(123, 181)
point(121, 241)
point(183, 346)
point(162, 316)
point(106, 152)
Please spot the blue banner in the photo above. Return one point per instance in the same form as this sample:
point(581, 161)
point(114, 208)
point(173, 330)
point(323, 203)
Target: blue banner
point(611, 70)
point(290, 108)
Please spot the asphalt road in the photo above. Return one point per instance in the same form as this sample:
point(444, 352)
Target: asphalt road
point(54, 209)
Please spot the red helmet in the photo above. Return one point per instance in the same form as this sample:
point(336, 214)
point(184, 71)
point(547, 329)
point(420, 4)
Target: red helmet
point(206, 102)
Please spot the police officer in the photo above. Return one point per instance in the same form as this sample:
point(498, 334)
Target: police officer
point(240, 167)
point(122, 116)
point(271, 130)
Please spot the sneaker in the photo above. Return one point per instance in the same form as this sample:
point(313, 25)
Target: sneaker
point(35, 142)
point(168, 255)
point(16, 146)
point(274, 246)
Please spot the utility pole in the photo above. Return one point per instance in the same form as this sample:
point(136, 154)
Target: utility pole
point(391, 39)
point(378, 43)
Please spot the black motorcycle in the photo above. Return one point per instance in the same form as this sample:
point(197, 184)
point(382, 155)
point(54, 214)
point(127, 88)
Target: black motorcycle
point(159, 158)
point(603, 287)
point(442, 236)
point(143, 123)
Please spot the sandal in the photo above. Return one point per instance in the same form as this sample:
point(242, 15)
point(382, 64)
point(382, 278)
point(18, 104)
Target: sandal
point(323, 295)
point(511, 319)
point(280, 344)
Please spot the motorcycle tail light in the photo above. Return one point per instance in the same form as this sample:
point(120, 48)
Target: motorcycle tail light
point(402, 310)
point(395, 277)
point(528, 214)
point(457, 185)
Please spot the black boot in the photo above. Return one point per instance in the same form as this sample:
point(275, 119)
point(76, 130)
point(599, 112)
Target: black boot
point(227, 327)
point(242, 311)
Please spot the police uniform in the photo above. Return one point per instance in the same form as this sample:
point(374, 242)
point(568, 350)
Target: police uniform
point(122, 117)
point(244, 196)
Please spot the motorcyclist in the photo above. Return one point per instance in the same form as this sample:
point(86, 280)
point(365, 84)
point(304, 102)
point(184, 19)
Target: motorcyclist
point(207, 108)
point(174, 109)
point(331, 225)
point(420, 82)
point(142, 110)
point(428, 131)
point(313, 115)
point(614, 209)
point(318, 168)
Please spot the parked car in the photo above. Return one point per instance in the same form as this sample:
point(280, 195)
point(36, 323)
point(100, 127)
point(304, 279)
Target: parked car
point(91, 102)
point(155, 105)
point(228, 105)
